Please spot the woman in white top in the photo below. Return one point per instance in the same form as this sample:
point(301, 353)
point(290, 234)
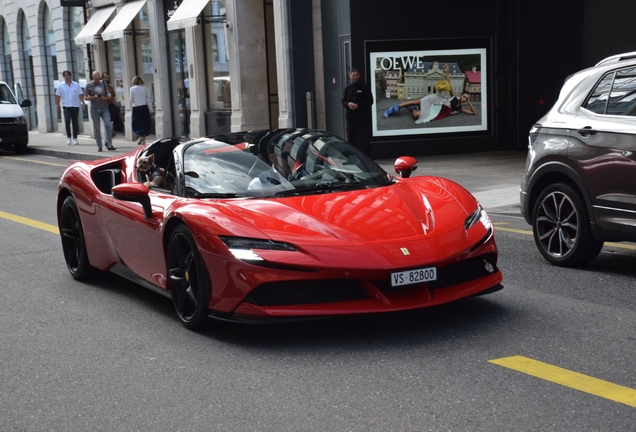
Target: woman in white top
point(139, 101)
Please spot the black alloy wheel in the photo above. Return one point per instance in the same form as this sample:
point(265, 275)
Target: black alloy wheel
point(561, 227)
point(188, 280)
point(73, 243)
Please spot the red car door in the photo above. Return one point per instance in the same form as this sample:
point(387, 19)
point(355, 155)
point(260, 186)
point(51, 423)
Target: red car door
point(138, 241)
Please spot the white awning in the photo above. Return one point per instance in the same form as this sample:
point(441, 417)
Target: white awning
point(91, 28)
point(122, 20)
point(186, 15)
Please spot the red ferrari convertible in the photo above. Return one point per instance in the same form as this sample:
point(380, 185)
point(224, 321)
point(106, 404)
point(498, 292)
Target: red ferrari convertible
point(277, 224)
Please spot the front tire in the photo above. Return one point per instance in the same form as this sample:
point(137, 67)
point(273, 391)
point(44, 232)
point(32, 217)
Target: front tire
point(561, 227)
point(73, 242)
point(188, 279)
point(20, 149)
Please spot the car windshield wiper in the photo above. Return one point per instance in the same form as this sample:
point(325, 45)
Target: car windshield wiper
point(321, 188)
point(217, 195)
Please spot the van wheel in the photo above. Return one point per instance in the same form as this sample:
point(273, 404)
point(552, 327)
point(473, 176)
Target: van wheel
point(20, 149)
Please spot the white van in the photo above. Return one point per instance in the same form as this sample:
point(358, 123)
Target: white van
point(13, 126)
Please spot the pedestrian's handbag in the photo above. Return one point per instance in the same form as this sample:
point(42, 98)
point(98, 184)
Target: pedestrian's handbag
point(443, 85)
point(113, 108)
point(114, 111)
point(115, 117)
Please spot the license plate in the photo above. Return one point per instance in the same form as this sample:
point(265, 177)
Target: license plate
point(413, 276)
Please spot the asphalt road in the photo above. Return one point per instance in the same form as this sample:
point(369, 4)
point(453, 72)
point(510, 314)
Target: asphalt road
point(108, 355)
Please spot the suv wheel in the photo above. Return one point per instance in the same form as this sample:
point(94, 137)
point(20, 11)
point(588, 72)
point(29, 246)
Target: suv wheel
point(561, 227)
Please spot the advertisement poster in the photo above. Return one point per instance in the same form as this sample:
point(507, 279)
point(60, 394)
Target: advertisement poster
point(426, 92)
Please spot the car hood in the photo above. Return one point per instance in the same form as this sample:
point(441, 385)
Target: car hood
point(426, 216)
point(10, 110)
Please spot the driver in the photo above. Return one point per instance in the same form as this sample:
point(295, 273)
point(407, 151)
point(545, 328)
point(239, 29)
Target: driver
point(281, 169)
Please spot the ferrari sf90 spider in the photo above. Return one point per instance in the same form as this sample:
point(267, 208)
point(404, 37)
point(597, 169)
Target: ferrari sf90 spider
point(276, 224)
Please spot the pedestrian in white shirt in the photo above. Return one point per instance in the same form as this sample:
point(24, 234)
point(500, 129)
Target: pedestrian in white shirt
point(139, 100)
point(70, 97)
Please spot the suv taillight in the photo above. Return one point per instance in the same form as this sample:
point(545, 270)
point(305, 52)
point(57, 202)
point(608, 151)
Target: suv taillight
point(534, 133)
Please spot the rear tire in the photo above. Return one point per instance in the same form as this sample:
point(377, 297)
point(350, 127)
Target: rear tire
point(188, 279)
point(561, 227)
point(73, 242)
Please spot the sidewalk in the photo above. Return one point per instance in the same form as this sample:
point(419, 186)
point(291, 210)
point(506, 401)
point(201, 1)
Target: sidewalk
point(493, 177)
point(54, 144)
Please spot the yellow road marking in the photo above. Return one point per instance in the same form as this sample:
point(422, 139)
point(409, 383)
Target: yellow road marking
point(620, 245)
point(568, 378)
point(527, 232)
point(30, 222)
point(514, 230)
point(33, 161)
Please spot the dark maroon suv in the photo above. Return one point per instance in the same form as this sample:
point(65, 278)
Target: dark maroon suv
point(579, 189)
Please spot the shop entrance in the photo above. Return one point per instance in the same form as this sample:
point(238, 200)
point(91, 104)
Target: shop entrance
point(180, 83)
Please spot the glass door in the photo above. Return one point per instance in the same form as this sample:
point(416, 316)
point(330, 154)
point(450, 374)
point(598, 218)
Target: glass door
point(27, 65)
point(181, 84)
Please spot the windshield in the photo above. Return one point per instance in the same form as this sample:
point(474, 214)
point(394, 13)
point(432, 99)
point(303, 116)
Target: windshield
point(292, 164)
point(6, 97)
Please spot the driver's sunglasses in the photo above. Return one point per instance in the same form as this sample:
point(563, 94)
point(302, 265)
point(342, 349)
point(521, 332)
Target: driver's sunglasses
point(284, 155)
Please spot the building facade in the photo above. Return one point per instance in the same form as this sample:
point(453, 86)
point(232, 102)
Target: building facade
point(210, 66)
point(229, 65)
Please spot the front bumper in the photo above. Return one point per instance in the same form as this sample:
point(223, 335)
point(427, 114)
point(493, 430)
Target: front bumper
point(11, 134)
point(319, 294)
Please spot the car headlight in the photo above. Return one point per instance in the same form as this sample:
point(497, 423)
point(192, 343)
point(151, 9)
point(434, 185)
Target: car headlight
point(241, 248)
point(479, 215)
point(20, 120)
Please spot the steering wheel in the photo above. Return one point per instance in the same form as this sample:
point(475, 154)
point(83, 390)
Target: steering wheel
point(298, 172)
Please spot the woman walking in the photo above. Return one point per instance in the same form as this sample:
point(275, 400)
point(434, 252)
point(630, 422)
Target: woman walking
point(139, 101)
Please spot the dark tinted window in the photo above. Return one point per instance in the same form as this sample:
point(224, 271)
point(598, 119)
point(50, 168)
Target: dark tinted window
point(623, 96)
point(598, 100)
point(6, 97)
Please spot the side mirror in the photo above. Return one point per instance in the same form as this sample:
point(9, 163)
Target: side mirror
point(134, 192)
point(405, 165)
point(25, 103)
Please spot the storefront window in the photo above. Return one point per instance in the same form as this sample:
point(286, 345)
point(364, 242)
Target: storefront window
point(181, 104)
point(216, 38)
point(51, 78)
point(27, 66)
point(218, 80)
point(115, 70)
point(75, 19)
point(7, 66)
point(144, 67)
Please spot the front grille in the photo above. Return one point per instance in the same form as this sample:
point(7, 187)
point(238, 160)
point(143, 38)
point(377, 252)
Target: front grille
point(454, 274)
point(306, 292)
point(12, 131)
point(464, 271)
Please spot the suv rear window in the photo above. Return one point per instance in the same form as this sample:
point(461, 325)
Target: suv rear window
point(615, 94)
point(622, 100)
